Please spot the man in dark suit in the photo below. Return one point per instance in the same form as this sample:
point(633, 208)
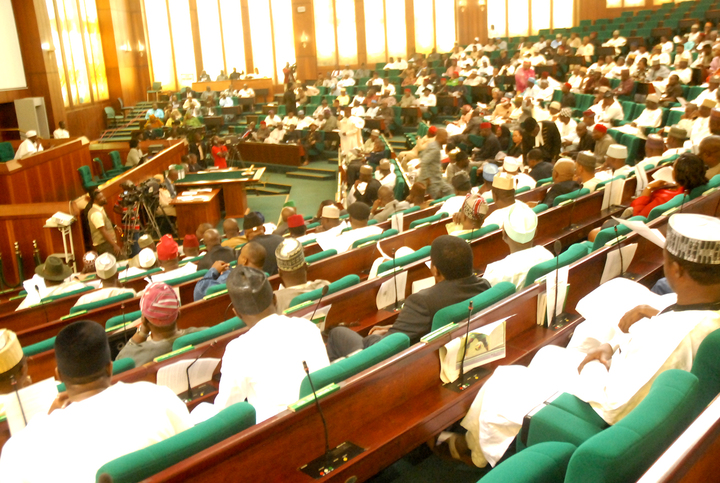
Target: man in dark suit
point(215, 251)
point(254, 227)
point(551, 144)
point(563, 178)
point(568, 98)
point(371, 188)
point(452, 262)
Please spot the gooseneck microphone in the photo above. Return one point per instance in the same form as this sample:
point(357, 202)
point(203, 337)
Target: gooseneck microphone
point(467, 336)
point(187, 370)
point(617, 244)
point(322, 294)
point(317, 404)
point(42, 304)
point(395, 279)
point(557, 248)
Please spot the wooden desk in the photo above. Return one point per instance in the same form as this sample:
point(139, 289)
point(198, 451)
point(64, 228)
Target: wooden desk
point(282, 154)
point(203, 208)
point(232, 182)
point(259, 83)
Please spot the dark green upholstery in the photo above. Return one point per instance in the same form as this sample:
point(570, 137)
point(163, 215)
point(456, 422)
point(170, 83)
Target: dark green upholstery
point(412, 209)
point(544, 463)
point(7, 153)
point(356, 363)
point(101, 303)
point(698, 191)
point(544, 181)
point(42, 346)
point(67, 294)
point(215, 288)
point(706, 367)
point(151, 460)
point(423, 252)
point(141, 275)
point(87, 179)
point(522, 190)
point(321, 256)
point(442, 200)
point(603, 183)
point(210, 333)
point(345, 282)
point(539, 208)
point(119, 366)
point(429, 219)
point(459, 311)
point(385, 234)
point(607, 234)
point(474, 235)
point(571, 255)
point(573, 195)
point(126, 318)
point(659, 210)
point(191, 260)
point(186, 278)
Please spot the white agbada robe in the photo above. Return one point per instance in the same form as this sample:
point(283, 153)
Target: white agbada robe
point(27, 148)
point(350, 134)
point(522, 180)
point(452, 205)
point(388, 180)
point(61, 134)
point(34, 297)
point(265, 366)
point(515, 266)
point(76, 441)
point(700, 130)
point(648, 118)
point(102, 294)
point(667, 341)
point(498, 216)
point(342, 242)
point(568, 132)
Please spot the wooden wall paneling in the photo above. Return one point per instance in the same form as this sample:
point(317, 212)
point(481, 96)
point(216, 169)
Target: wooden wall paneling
point(195, 26)
point(110, 40)
point(103, 150)
point(139, 69)
point(89, 120)
point(471, 23)
point(410, 28)
point(360, 29)
point(304, 23)
point(249, 64)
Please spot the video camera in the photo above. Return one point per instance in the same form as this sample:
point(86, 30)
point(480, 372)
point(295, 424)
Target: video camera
point(146, 192)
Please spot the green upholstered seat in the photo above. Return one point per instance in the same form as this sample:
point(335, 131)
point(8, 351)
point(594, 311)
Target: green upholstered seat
point(474, 235)
point(151, 460)
point(673, 203)
point(39, 347)
point(706, 367)
point(607, 181)
point(313, 225)
point(125, 318)
point(321, 256)
point(191, 260)
point(412, 209)
point(7, 152)
point(215, 288)
point(571, 255)
point(522, 190)
point(385, 234)
point(117, 162)
point(543, 463)
point(699, 190)
point(421, 253)
point(356, 363)
point(607, 234)
point(573, 195)
point(52, 298)
point(336, 286)
point(101, 303)
point(186, 278)
point(141, 275)
point(544, 181)
point(442, 200)
point(429, 219)
point(87, 179)
point(210, 333)
point(540, 207)
point(459, 311)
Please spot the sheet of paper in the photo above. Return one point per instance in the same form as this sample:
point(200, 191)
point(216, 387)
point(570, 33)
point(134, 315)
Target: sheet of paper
point(386, 295)
point(562, 283)
point(175, 376)
point(131, 272)
point(35, 400)
point(664, 174)
point(642, 180)
point(613, 193)
point(651, 234)
point(422, 284)
point(319, 317)
point(614, 258)
point(396, 222)
point(485, 344)
point(361, 187)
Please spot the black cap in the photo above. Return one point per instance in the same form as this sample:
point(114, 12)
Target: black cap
point(461, 181)
point(82, 349)
point(252, 220)
point(249, 290)
point(359, 211)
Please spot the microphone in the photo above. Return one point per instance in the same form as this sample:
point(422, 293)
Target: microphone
point(394, 279)
point(317, 405)
point(13, 382)
point(683, 200)
point(322, 294)
point(47, 320)
point(617, 244)
point(467, 336)
point(557, 248)
point(187, 372)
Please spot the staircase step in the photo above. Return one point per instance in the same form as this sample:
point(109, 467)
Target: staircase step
point(310, 175)
point(312, 169)
point(260, 190)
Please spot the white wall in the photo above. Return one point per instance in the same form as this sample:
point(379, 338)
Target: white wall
point(13, 75)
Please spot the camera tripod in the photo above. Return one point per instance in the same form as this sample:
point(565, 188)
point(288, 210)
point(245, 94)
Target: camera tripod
point(133, 223)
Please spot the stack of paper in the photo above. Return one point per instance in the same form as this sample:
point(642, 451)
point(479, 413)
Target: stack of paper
point(485, 345)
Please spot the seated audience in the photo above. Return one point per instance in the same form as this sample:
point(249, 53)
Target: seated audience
point(292, 269)
point(563, 176)
point(215, 250)
point(51, 278)
point(255, 232)
point(107, 271)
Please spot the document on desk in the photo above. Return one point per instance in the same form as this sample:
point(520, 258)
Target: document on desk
point(614, 258)
point(613, 193)
point(485, 344)
point(418, 285)
point(386, 294)
point(650, 234)
point(28, 402)
point(175, 376)
point(319, 316)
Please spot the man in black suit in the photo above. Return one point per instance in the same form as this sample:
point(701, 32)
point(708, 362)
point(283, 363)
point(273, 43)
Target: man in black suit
point(563, 178)
point(372, 185)
point(551, 144)
point(254, 227)
point(452, 267)
point(197, 147)
point(215, 251)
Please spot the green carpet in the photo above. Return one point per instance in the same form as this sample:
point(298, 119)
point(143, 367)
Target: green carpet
point(306, 193)
point(422, 466)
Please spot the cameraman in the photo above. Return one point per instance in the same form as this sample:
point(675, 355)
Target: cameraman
point(103, 235)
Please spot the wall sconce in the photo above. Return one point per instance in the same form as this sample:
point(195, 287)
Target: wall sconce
point(141, 48)
point(126, 47)
point(304, 39)
point(462, 4)
point(47, 47)
point(482, 4)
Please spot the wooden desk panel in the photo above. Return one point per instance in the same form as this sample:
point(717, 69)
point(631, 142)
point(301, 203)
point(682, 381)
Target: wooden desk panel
point(282, 154)
point(260, 83)
point(190, 214)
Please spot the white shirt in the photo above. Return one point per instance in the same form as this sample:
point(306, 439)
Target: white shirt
point(389, 89)
point(371, 111)
point(246, 93)
point(617, 43)
point(612, 113)
point(61, 134)
point(342, 242)
point(191, 103)
point(101, 294)
point(27, 148)
point(186, 269)
point(358, 111)
point(428, 101)
point(452, 205)
point(498, 216)
point(388, 180)
point(706, 94)
point(575, 81)
point(305, 122)
point(76, 441)
point(226, 102)
point(276, 136)
point(265, 365)
point(515, 266)
point(684, 75)
point(700, 130)
point(290, 120)
point(686, 56)
point(346, 82)
point(34, 297)
point(272, 120)
point(568, 132)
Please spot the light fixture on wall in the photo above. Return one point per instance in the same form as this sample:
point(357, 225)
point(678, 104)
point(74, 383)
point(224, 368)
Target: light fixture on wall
point(126, 47)
point(47, 47)
point(462, 4)
point(141, 48)
point(304, 39)
point(482, 4)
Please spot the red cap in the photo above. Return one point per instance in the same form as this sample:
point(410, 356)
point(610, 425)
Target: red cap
point(588, 113)
point(432, 130)
point(167, 249)
point(407, 90)
point(600, 128)
point(263, 123)
point(295, 220)
point(567, 84)
point(190, 241)
point(544, 75)
point(485, 125)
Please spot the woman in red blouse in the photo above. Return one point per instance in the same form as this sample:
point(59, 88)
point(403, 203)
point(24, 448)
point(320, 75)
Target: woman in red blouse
point(688, 172)
point(219, 153)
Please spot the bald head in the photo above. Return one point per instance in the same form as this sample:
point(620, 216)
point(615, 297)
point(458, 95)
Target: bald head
point(231, 227)
point(212, 238)
point(385, 194)
point(252, 255)
point(201, 230)
point(287, 212)
point(564, 170)
point(709, 151)
point(441, 136)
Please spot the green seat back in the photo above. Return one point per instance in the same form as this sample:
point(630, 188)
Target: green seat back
point(43, 346)
point(633, 144)
point(429, 219)
point(706, 366)
point(346, 368)
point(423, 252)
point(141, 275)
point(210, 333)
point(540, 207)
point(412, 209)
point(321, 256)
point(7, 152)
point(522, 190)
point(336, 286)
point(215, 288)
point(385, 234)
point(442, 200)
point(101, 303)
point(459, 311)
point(607, 234)
point(125, 318)
point(543, 463)
point(191, 260)
point(67, 294)
point(544, 181)
point(186, 278)
point(119, 366)
point(99, 162)
point(116, 161)
point(571, 255)
point(151, 460)
point(699, 190)
point(571, 196)
point(313, 225)
point(474, 235)
point(659, 210)
point(603, 183)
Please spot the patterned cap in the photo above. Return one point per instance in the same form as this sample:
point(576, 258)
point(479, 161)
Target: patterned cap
point(289, 255)
point(474, 206)
point(566, 112)
point(694, 238)
point(159, 304)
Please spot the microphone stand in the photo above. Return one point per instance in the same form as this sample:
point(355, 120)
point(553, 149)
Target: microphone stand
point(562, 319)
point(47, 321)
point(618, 244)
point(204, 388)
point(395, 280)
point(464, 381)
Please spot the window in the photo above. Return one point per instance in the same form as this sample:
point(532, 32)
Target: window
point(444, 25)
point(75, 32)
point(375, 43)
point(160, 48)
point(346, 31)
point(211, 44)
point(546, 14)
